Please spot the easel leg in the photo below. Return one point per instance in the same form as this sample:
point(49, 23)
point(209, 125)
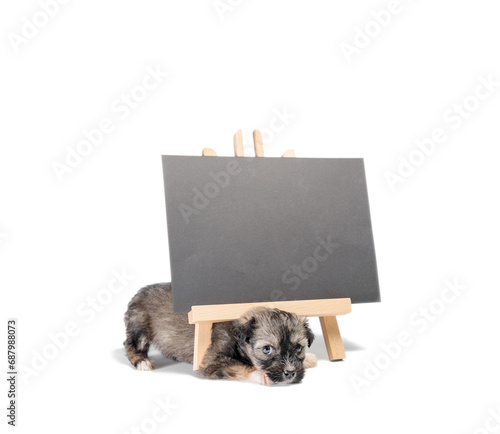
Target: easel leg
point(202, 340)
point(333, 340)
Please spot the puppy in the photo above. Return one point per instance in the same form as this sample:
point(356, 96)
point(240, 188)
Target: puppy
point(265, 346)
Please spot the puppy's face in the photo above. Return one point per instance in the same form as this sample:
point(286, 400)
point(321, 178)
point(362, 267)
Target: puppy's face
point(275, 341)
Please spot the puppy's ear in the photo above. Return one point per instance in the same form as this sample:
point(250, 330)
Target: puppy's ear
point(243, 328)
point(309, 334)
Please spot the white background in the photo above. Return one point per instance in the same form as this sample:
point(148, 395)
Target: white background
point(60, 240)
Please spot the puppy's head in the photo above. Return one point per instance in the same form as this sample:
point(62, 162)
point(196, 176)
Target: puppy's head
point(275, 341)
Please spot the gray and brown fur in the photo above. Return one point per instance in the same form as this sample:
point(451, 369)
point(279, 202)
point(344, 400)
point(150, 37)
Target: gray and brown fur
point(238, 347)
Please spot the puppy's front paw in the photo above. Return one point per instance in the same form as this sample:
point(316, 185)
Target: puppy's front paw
point(310, 361)
point(145, 365)
point(260, 378)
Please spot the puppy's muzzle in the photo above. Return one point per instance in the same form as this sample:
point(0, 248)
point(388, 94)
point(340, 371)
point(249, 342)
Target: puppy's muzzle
point(289, 375)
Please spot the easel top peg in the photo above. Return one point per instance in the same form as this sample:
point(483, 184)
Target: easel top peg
point(238, 146)
point(208, 152)
point(258, 143)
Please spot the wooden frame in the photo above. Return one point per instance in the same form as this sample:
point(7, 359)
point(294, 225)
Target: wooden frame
point(326, 309)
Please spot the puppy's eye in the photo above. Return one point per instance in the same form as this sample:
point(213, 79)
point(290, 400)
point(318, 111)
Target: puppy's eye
point(267, 350)
point(298, 349)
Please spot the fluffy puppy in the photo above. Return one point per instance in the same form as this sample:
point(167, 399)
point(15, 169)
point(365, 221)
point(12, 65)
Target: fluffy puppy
point(266, 346)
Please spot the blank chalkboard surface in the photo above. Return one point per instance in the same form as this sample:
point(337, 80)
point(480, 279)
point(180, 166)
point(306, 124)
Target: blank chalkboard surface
point(245, 230)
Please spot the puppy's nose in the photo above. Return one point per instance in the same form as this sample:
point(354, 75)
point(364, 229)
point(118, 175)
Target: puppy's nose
point(289, 374)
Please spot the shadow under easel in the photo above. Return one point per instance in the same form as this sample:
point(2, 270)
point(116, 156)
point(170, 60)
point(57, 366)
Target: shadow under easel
point(168, 365)
point(161, 363)
point(318, 347)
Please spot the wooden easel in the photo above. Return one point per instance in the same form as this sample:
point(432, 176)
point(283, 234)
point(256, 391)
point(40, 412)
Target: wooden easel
point(326, 309)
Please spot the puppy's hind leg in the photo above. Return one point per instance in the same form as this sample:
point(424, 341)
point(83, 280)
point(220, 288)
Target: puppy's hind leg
point(137, 343)
point(137, 348)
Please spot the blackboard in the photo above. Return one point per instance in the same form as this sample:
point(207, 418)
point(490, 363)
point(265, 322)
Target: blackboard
point(245, 230)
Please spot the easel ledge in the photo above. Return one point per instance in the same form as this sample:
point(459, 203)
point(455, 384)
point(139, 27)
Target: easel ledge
point(230, 312)
point(326, 309)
